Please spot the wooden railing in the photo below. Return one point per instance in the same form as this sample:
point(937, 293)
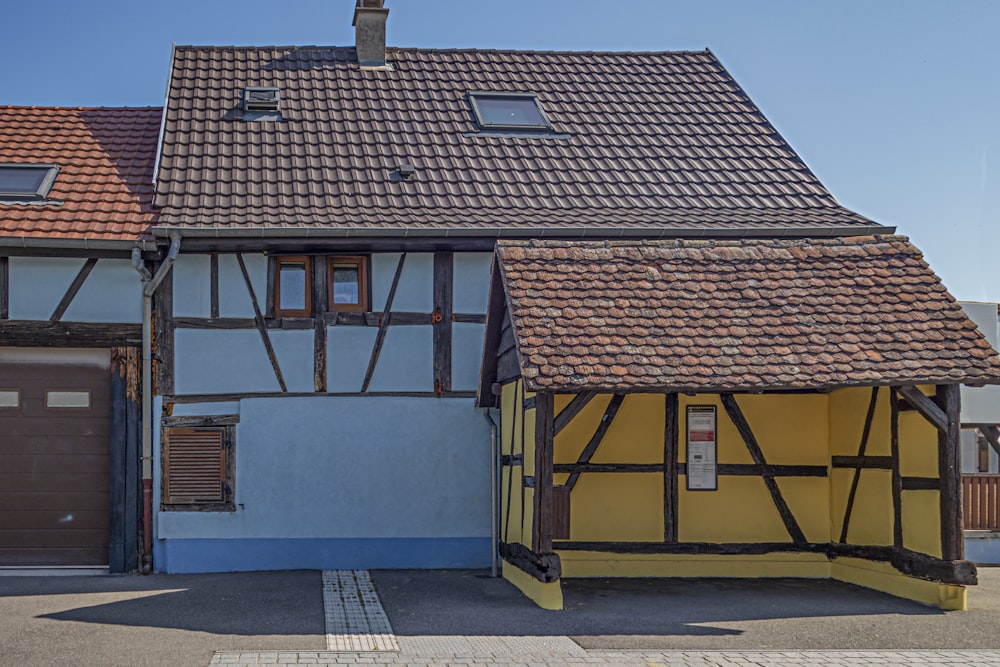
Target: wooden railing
point(981, 501)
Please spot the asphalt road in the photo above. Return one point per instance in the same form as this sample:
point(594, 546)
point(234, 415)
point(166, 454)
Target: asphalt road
point(158, 619)
point(181, 620)
point(661, 614)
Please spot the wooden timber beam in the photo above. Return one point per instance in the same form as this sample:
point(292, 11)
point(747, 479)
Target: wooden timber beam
point(572, 409)
point(213, 284)
point(897, 476)
point(261, 325)
point(546, 567)
point(4, 287)
point(73, 289)
point(869, 462)
point(541, 528)
point(595, 441)
point(319, 303)
point(990, 433)
point(383, 324)
point(736, 415)
point(948, 399)
point(922, 566)
point(444, 269)
point(926, 406)
point(865, 431)
point(671, 449)
point(907, 562)
point(42, 333)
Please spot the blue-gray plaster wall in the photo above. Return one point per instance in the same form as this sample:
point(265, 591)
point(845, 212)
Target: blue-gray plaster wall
point(111, 293)
point(351, 474)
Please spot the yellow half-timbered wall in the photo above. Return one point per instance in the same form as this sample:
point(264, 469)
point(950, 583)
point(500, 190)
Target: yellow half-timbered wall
point(807, 429)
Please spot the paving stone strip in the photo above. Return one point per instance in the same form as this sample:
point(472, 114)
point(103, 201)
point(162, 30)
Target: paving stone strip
point(618, 658)
point(355, 620)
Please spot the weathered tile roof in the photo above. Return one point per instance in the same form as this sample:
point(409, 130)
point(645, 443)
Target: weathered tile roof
point(651, 143)
point(104, 190)
point(731, 315)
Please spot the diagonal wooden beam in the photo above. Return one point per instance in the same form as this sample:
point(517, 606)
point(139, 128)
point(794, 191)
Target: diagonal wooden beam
point(74, 287)
point(736, 415)
point(990, 433)
point(926, 406)
point(572, 409)
point(261, 325)
point(849, 508)
point(383, 325)
point(609, 416)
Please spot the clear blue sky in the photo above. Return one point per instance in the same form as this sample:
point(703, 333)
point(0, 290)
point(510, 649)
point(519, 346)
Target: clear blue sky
point(895, 104)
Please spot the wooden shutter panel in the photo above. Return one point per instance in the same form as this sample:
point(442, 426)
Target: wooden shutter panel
point(195, 464)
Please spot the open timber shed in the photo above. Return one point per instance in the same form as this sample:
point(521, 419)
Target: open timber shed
point(730, 408)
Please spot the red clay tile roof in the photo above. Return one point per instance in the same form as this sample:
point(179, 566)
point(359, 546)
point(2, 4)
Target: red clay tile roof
point(730, 315)
point(654, 144)
point(104, 188)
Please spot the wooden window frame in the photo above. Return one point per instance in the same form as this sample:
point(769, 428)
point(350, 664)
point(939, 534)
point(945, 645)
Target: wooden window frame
point(364, 297)
point(227, 470)
point(293, 312)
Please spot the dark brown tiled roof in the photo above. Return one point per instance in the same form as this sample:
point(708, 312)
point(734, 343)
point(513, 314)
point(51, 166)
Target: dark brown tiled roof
point(658, 143)
point(104, 189)
point(729, 315)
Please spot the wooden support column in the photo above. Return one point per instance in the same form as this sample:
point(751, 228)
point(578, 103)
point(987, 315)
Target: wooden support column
point(319, 302)
point(671, 446)
point(213, 288)
point(444, 270)
point(118, 447)
point(897, 478)
point(948, 399)
point(541, 533)
point(4, 288)
point(133, 458)
point(163, 337)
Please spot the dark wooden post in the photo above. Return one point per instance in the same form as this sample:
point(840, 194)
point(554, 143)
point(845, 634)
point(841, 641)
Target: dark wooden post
point(443, 288)
point(319, 299)
point(670, 449)
point(4, 288)
point(948, 399)
point(897, 478)
point(541, 533)
point(163, 337)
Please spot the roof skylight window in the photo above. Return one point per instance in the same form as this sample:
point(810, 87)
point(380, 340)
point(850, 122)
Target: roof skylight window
point(508, 111)
point(26, 182)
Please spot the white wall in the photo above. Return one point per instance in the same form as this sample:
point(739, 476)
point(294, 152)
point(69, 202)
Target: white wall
point(981, 405)
point(111, 293)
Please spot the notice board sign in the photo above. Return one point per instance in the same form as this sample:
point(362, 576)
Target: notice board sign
point(701, 448)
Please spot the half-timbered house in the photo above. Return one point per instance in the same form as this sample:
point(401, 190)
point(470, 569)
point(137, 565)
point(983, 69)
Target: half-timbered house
point(763, 407)
point(312, 318)
point(75, 202)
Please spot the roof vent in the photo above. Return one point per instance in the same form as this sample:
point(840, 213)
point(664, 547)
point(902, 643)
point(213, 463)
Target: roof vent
point(263, 100)
point(369, 33)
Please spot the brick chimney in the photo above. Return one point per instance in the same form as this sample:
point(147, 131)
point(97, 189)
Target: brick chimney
point(369, 33)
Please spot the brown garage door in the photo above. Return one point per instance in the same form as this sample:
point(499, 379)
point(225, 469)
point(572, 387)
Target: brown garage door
point(55, 423)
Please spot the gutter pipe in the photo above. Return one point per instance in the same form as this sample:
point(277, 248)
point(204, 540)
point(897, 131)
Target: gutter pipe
point(150, 283)
point(494, 495)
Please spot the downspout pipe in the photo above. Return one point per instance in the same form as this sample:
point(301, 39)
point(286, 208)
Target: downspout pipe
point(494, 495)
point(150, 283)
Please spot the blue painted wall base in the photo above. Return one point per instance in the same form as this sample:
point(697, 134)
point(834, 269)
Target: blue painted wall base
point(982, 546)
point(242, 555)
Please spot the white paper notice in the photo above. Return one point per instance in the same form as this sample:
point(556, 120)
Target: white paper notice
point(701, 448)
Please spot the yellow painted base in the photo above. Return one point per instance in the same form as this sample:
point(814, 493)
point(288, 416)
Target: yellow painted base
point(594, 564)
point(883, 577)
point(546, 596)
